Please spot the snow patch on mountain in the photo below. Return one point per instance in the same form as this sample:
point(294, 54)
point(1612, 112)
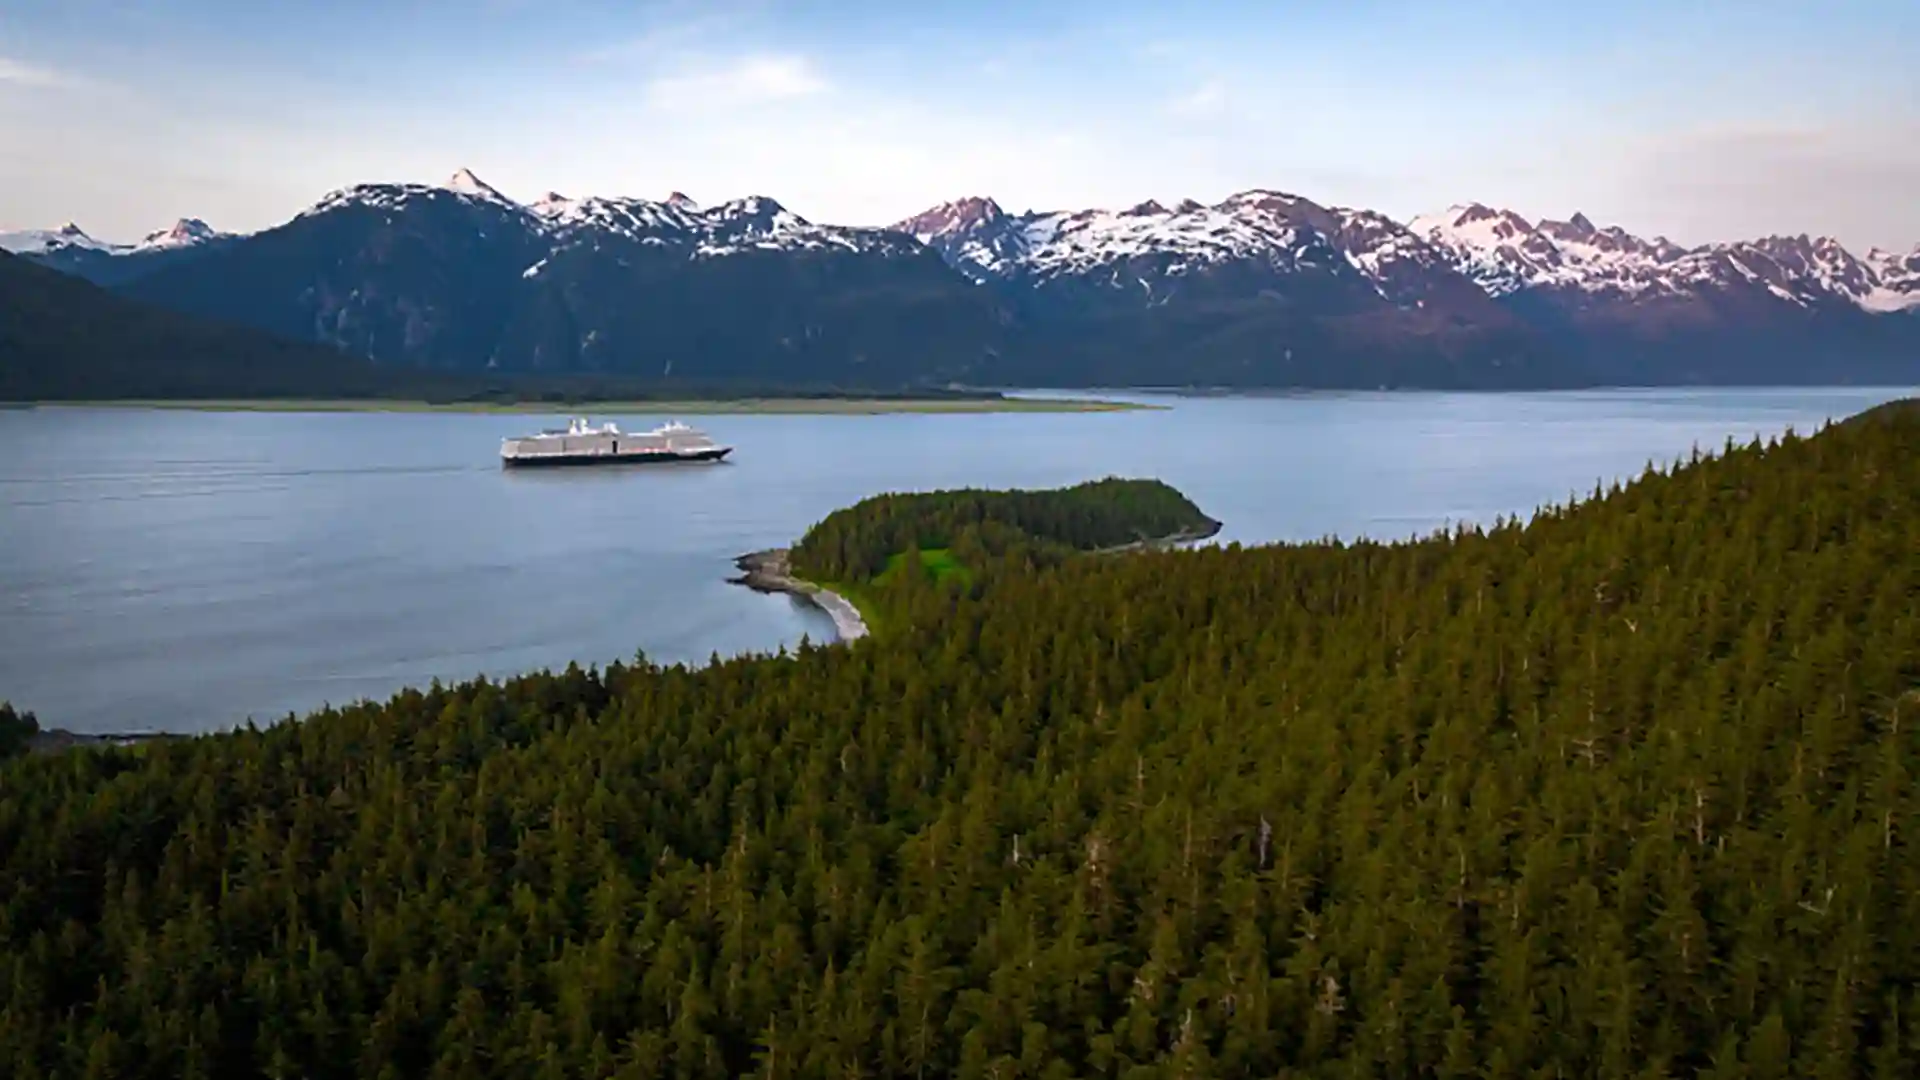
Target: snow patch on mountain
point(1086, 240)
point(185, 233)
point(40, 241)
point(752, 223)
point(466, 183)
point(551, 204)
point(1896, 281)
point(1284, 233)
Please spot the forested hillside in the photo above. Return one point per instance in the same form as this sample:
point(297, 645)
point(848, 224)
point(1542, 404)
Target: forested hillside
point(1628, 791)
point(62, 338)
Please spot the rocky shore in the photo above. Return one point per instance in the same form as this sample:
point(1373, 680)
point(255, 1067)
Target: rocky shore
point(768, 572)
point(1165, 543)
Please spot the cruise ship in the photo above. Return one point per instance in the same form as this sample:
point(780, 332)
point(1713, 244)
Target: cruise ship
point(581, 444)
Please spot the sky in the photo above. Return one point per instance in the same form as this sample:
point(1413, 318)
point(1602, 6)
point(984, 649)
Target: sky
point(1700, 120)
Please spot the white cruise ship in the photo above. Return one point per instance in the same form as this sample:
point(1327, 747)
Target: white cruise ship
point(581, 444)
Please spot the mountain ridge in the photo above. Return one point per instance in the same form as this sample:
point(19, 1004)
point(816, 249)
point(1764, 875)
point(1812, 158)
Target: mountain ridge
point(1891, 278)
point(1262, 288)
point(458, 276)
point(64, 338)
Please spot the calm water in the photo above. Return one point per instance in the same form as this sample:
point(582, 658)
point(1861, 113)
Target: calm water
point(183, 571)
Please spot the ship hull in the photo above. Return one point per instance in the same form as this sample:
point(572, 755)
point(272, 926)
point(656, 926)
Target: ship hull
point(638, 457)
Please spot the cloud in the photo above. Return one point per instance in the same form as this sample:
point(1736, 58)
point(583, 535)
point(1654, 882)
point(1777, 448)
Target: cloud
point(747, 81)
point(663, 38)
point(20, 73)
point(1209, 99)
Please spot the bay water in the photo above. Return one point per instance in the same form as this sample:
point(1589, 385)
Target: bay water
point(167, 570)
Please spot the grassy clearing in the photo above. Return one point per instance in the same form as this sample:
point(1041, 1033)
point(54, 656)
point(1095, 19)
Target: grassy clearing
point(868, 597)
point(938, 563)
point(791, 406)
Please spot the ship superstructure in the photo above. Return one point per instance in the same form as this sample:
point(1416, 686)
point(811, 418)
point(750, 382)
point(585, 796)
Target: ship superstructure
point(582, 444)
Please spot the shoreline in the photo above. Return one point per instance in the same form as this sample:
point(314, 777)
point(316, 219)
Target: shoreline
point(762, 571)
point(768, 572)
point(1169, 542)
point(847, 406)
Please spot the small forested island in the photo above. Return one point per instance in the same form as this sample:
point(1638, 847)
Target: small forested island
point(1624, 790)
point(880, 550)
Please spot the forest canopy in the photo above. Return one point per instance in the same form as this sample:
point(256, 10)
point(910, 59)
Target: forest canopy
point(1627, 790)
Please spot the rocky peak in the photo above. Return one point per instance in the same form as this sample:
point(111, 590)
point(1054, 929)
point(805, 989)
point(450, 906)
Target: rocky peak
point(1578, 229)
point(466, 183)
point(183, 233)
point(1279, 202)
point(958, 216)
point(1478, 223)
point(551, 205)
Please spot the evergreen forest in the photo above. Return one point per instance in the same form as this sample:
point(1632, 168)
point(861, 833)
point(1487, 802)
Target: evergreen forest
point(1623, 790)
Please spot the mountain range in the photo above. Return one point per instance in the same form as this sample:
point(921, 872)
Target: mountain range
point(1264, 288)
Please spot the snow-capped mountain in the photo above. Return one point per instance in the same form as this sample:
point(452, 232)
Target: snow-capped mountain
point(1778, 308)
point(70, 250)
point(466, 183)
point(751, 223)
point(1263, 285)
point(40, 241)
point(1624, 307)
point(981, 239)
point(1506, 254)
point(1266, 241)
point(460, 275)
point(187, 232)
point(974, 235)
point(1156, 253)
point(1499, 251)
point(1896, 280)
